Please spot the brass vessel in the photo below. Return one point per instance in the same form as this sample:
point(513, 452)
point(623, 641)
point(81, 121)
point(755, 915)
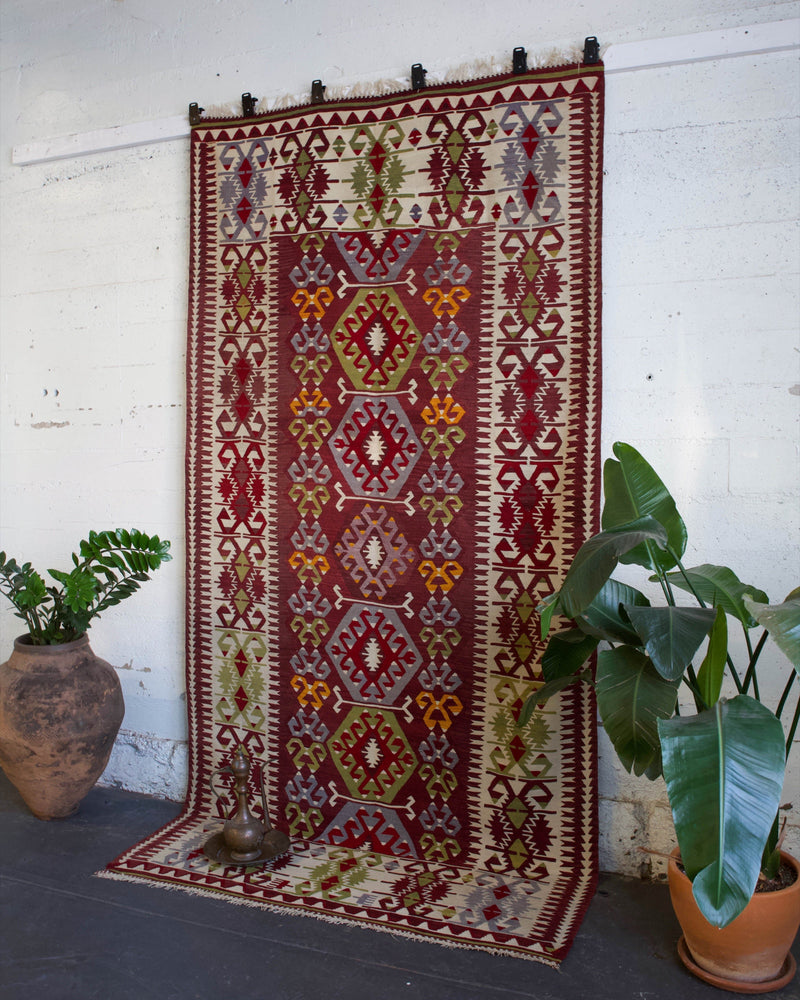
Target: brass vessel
point(244, 839)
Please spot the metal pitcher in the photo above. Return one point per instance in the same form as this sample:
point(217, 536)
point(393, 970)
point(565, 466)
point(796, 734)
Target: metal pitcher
point(244, 838)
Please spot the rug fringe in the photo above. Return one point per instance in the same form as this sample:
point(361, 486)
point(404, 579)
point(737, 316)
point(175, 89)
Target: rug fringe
point(526, 954)
point(476, 69)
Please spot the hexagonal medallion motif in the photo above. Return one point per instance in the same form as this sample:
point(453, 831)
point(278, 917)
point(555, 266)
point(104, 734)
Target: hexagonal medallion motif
point(376, 340)
point(373, 653)
point(372, 754)
point(375, 446)
point(374, 551)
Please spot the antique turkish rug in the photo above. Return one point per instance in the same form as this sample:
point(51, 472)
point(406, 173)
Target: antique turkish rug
point(392, 452)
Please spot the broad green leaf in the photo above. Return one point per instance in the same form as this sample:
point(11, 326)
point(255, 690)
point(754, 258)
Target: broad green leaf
point(603, 620)
point(782, 621)
point(566, 652)
point(712, 669)
point(632, 490)
point(546, 691)
point(546, 611)
point(631, 698)
point(724, 771)
point(720, 587)
point(596, 559)
point(671, 636)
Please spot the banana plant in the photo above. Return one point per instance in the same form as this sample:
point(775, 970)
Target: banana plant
point(724, 762)
point(110, 566)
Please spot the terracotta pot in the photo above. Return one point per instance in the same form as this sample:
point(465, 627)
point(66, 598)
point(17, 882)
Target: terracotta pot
point(60, 710)
point(750, 955)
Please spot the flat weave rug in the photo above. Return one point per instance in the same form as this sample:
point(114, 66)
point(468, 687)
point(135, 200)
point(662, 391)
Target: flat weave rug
point(393, 421)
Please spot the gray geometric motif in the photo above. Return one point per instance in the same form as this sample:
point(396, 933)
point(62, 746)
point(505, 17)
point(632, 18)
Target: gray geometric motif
point(375, 447)
point(374, 552)
point(373, 654)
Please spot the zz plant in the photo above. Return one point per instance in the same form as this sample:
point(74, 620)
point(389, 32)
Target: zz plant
point(110, 566)
point(723, 761)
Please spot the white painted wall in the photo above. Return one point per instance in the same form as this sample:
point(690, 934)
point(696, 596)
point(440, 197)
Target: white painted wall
point(701, 269)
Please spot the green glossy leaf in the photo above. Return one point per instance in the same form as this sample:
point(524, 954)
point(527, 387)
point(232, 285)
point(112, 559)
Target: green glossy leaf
point(631, 698)
point(712, 669)
point(721, 588)
point(111, 566)
point(603, 620)
point(32, 593)
point(546, 611)
point(566, 652)
point(80, 590)
point(671, 636)
point(771, 857)
point(724, 771)
point(632, 490)
point(597, 558)
point(547, 691)
point(112, 560)
point(782, 621)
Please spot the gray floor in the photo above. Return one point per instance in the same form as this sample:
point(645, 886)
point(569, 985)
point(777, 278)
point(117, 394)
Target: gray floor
point(65, 933)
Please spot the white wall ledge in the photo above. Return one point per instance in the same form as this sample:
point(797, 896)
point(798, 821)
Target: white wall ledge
point(776, 36)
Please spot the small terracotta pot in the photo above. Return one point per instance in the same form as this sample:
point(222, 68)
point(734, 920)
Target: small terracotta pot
point(750, 955)
point(60, 710)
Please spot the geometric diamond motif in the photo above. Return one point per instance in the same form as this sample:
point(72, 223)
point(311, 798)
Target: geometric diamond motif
point(372, 754)
point(376, 340)
point(375, 447)
point(373, 654)
point(374, 551)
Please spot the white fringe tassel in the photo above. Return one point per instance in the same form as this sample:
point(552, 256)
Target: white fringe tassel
point(303, 911)
point(475, 70)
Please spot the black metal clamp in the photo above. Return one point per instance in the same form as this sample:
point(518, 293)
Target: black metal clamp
point(519, 63)
point(418, 77)
point(195, 113)
point(591, 51)
point(248, 105)
point(317, 92)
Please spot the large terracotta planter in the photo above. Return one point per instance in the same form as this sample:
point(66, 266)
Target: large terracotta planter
point(60, 710)
point(750, 955)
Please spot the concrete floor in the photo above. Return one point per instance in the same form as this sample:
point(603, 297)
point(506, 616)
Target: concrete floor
point(65, 933)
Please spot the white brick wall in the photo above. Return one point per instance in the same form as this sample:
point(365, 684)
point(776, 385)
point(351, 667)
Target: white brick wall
point(701, 268)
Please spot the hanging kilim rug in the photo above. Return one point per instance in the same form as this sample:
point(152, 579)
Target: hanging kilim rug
point(393, 418)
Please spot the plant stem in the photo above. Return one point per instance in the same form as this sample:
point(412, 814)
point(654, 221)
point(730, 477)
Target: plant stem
point(733, 671)
point(793, 727)
point(669, 597)
point(751, 668)
point(34, 625)
point(690, 680)
point(785, 695)
point(734, 674)
point(682, 572)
